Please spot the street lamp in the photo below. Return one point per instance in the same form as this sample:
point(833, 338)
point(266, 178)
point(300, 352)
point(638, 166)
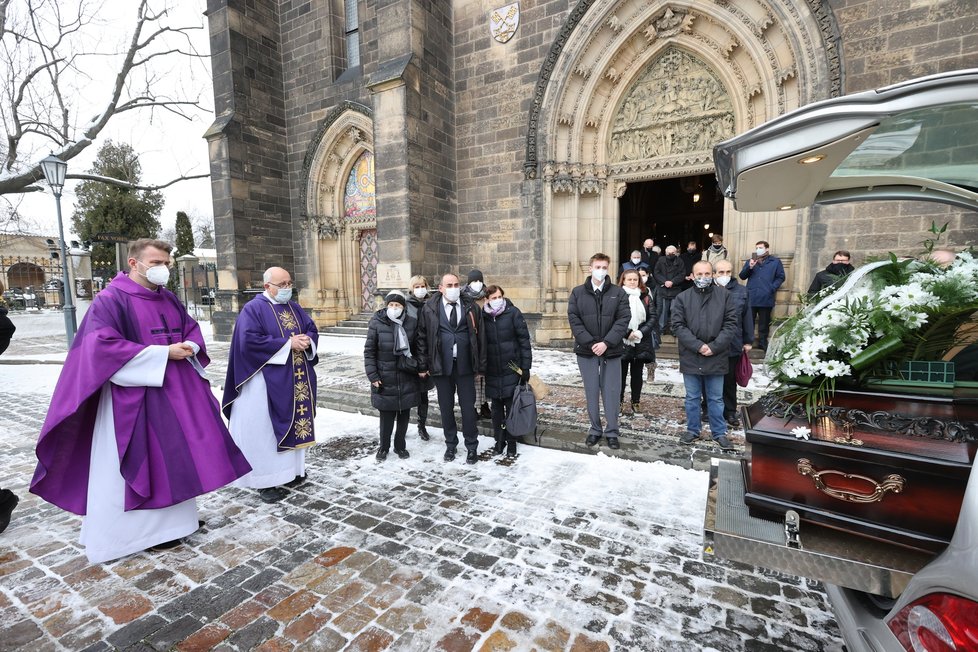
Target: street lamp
point(54, 173)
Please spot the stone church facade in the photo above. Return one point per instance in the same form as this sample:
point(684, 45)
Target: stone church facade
point(359, 142)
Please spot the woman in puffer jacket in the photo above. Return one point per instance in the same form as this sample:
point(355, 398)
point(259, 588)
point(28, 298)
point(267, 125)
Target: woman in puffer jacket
point(391, 366)
point(643, 336)
point(507, 341)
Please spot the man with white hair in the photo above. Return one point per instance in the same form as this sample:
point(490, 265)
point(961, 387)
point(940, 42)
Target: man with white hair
point(272, 413)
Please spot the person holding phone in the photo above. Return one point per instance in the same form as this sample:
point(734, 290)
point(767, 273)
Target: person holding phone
point(764, 274)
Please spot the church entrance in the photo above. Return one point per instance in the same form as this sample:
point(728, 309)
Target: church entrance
point(671, 211)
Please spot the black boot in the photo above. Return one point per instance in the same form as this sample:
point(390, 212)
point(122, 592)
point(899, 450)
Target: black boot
point(8, 500)
point(500, 437)
point(422, 421)
point(511, 447)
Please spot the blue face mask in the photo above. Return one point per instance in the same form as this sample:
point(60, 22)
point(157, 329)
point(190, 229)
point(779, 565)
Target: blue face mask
point(283, 295)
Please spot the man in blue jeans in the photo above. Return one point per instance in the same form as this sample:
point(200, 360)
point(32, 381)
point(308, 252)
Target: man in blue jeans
point(705, 321)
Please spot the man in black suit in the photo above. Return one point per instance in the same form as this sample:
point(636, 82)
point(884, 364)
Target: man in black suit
point(452, 349)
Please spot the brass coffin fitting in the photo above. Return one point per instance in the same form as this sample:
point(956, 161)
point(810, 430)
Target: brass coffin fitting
point(892, 482)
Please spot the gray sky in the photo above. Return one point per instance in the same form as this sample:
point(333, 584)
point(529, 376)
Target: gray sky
point(168, 146)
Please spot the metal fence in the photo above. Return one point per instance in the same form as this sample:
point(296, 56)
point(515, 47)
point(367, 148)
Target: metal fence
point(31, 282)
point(198, 289)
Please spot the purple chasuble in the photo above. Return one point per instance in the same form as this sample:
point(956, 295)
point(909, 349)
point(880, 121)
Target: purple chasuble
point(261, 330)
point(173, 444)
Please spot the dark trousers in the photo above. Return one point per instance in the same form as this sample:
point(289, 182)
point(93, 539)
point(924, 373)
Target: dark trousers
point(423, 409)
point(762, 317)
point(464, 385)
point(500, 411)
point(387, 420)
point(637, 369)
point(730, 390)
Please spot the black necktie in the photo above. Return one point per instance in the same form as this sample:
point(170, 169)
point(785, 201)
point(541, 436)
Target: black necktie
point(453, 318)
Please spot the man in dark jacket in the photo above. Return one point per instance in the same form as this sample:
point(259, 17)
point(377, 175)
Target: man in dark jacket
point(742, 341)
point(452, 349)
point(649, 257)
point(705, 321)
point(598, 314)
point(764, 274)
point(669, 274)
point(833, 274)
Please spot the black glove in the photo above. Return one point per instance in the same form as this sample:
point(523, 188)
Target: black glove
point(526, 376)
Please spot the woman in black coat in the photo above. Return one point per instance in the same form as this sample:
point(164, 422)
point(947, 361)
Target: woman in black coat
point(507, 341)
point(389, 359)
point(642, 338)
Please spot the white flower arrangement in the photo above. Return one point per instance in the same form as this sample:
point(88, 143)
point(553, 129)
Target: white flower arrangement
point(801, 432)
point(889, 310)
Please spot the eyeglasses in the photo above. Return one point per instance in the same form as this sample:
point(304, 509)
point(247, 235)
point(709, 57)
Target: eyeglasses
point(281, 286)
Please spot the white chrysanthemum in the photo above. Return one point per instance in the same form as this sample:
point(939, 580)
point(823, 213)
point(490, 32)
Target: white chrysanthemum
point(834, 369)
point(916, 319)
point(801, 432)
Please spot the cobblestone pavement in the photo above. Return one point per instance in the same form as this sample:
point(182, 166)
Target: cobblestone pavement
point(413, 555)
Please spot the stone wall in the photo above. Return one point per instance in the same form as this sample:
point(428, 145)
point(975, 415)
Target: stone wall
point(249, 176)
point(885, 42)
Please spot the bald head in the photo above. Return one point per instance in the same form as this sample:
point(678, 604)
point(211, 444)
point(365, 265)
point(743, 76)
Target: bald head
point(276, 276)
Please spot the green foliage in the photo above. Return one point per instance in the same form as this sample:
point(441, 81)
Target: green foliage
point(185, 245)
point(102, 207)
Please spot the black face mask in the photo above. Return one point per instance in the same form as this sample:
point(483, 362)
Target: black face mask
point(839, 269)
point(670, 256)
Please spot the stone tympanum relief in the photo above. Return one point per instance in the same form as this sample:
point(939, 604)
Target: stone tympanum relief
point(677, 105)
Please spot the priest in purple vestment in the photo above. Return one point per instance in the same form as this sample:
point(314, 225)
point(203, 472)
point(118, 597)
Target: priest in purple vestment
point(272, 413)
point(134, 432)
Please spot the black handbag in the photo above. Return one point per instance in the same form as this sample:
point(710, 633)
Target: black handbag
point(404, 363)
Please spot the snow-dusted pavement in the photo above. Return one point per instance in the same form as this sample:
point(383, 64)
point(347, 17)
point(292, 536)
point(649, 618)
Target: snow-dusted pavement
point(557, 552)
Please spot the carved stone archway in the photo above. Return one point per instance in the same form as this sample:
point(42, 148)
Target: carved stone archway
point(639, 90)
point(331, 243)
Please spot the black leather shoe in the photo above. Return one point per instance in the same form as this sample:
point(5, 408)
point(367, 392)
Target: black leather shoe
point(423, 432)
point(295, 482)
point(272, 494)
point(484, 411)
point(449, 456)
point(166, 545)
point(381, 456)
point(403, 454)
point(592, 440)
point(472, 457)
point(613, 443)
point(8, 500)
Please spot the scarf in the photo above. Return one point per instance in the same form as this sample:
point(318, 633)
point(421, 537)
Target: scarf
point(639, 314)
point(401, 346)
point(493, 313)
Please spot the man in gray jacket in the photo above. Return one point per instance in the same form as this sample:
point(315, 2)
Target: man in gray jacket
point(598, 313)
point(705, 321)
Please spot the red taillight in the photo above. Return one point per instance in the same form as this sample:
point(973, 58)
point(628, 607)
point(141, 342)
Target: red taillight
point(938, 623)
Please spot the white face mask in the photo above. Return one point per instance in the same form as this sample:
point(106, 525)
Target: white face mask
point(496, 304)
point(722, 280)
point(760, 251)
point(394, 313)
point(645, 280)
point(599, 274)
point(283, 295)
point(159, 274)
point(452, 294)
point(702, 282)
point(420, 293)
point(476, 286)
point(636, 261)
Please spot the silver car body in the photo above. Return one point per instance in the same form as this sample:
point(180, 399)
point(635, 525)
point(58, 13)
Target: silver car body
point(849, 149)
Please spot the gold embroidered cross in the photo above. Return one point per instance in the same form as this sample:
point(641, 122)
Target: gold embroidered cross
point(302, 410)
point(299, 372)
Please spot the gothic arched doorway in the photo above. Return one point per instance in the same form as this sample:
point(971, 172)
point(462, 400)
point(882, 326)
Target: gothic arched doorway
point(671, 211)
point(360, 214)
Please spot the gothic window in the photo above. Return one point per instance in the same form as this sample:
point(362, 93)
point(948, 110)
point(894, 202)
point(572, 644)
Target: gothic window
point(359, 204)
point(351, 29)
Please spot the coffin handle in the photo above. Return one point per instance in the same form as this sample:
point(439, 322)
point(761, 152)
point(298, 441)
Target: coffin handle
point(892, 482)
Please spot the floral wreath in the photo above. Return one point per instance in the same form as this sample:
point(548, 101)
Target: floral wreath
point(890, 310)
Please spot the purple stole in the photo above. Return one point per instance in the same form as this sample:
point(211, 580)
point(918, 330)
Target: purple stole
point(300, 431)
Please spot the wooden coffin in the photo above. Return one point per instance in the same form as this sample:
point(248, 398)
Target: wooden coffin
point(886, 466)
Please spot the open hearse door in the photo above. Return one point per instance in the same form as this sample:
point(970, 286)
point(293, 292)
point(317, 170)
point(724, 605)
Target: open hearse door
point(867, 486)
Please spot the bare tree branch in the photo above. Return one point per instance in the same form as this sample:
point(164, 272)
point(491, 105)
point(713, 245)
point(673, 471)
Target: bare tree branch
point(131, 186)
point(45, 46)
